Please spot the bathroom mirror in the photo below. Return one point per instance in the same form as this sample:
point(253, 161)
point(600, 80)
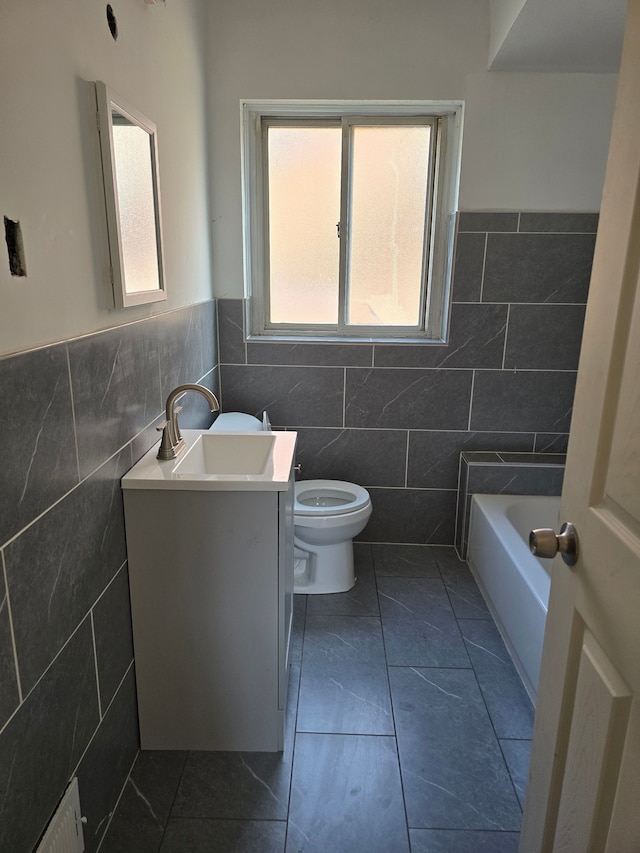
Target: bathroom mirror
point(129, 155)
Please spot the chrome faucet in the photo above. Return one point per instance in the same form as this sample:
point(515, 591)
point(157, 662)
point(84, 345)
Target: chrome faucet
point(172, 442)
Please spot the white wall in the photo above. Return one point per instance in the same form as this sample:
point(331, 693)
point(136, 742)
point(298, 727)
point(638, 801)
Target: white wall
point(48, 180)
point(534, 142)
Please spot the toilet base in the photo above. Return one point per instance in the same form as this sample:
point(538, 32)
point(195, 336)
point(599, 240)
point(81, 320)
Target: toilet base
point(327, 569)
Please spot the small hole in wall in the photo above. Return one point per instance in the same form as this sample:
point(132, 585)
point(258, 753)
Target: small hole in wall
point(111, 20)
point(15, 246)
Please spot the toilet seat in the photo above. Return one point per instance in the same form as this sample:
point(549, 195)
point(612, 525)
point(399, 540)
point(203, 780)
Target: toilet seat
point(313, 498)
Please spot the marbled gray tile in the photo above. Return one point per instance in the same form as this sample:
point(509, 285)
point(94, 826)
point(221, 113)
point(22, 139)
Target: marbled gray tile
point(551, 442)
point(231, 331)
point(207, 313)
point(516, 458)
point(223, 836)
point(538, 267)
point(112, 629)
point(396, 398)
point(360, 600)
point(234, 785)
point(586, 223)
point(143, 810)
point(312, 354)
point(37, 423)
point(404, 561)
point(179, 348)
point(44, 741)
point(59, 566)
point(418, 624)
point(297, 628)
point(469, 264)
point(509, 705)
point(544, 337)
point(145, 440)
point(488, 221)
point(476, 339)
point(463, 841)
point(103, 770)
point(453, 772)
point(116, 389)
point(524, 401)
point(507, 479)
point(516, 754)
point(434, 457)
point(419, 516)
point(465, 597)
point(367, 457)
point(346, 796)
point(343, 684)
point(9, 696)
point(293, 396)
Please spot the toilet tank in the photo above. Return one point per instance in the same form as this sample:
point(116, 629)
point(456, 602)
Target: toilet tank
point(236, 422)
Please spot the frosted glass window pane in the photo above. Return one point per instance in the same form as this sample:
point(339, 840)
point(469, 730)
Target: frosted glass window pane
point(136, 206)
point(388, 203)
point(304, 207)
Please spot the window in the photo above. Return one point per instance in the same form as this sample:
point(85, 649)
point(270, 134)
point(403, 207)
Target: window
point(348, 212)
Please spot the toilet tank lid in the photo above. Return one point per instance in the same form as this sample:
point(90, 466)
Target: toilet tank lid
point(236, 422)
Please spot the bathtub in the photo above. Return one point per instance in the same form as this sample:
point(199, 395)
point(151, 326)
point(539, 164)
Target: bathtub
point(515, 584)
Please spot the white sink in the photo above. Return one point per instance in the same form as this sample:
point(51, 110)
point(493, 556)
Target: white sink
point(214, 461)
point(228, 453)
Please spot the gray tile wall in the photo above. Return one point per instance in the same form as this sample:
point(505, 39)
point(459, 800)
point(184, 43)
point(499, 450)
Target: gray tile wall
point(76, 416)
point(395, 417)
point(488, 473)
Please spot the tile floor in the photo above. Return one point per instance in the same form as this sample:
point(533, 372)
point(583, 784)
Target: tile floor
point(409, 730)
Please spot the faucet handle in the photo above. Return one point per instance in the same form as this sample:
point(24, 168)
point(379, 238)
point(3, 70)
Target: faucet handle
point(161, 426)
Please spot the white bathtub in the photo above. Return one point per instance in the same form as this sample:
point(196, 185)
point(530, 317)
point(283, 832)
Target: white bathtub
point(514, 583)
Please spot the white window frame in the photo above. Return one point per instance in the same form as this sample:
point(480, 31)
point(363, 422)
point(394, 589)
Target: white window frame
point(447, 122)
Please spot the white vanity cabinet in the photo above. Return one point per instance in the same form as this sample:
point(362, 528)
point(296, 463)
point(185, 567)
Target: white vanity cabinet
point(211, 581)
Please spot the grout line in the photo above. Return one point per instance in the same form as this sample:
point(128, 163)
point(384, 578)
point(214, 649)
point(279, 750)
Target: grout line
point(13, 637)
point(344, 398)
point(406, 461)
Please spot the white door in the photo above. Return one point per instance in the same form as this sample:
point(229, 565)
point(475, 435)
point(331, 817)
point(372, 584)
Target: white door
point(584, 780)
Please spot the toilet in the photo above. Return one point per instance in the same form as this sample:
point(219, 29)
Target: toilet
point(327, 515)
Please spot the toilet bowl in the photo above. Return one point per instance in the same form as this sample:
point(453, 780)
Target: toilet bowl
point(327, 515)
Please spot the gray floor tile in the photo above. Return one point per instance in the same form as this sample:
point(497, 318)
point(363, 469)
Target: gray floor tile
point(297, 627)
point(143, 810)
point(224, 836)
point(405, 561)
point(462, 841)
point(508, 703)
point(516, 754)
point(238, 785)
point(346, 796)
point(418, 622)
point(466, 599)
point(360, 600)
point(343, 685)
point(453, 772)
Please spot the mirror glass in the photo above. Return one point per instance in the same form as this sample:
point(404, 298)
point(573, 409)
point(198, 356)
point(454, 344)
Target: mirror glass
point(128, 145)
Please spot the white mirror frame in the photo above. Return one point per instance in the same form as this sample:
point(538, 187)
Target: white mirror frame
point(124, 295)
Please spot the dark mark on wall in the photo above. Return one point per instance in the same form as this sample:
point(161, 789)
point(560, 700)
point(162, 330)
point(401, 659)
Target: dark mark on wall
point(111, 20)
point(15, 246)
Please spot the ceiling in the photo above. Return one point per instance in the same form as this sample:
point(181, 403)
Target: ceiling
point(557, 35)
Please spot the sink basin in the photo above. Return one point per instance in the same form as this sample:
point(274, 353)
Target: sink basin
point(228, 453)
point(214, 461)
